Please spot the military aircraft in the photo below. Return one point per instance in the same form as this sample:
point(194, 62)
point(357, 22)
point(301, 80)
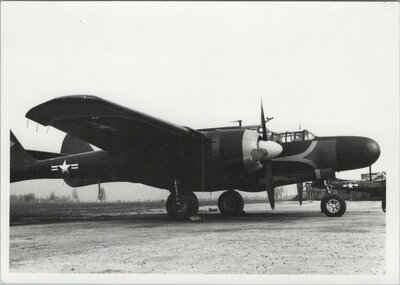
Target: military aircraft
point(139, 148)
point(376, 186)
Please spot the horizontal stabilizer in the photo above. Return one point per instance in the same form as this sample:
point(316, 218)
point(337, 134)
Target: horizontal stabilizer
point(42, 155)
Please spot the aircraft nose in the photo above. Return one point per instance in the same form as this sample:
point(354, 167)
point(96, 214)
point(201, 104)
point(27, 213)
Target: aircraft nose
point(356, 152)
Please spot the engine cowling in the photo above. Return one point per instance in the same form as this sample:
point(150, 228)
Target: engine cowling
point(241, 151)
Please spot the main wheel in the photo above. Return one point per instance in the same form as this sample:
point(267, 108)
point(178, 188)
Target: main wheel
point(333, 206)
point(230, 203)
point(184, 207)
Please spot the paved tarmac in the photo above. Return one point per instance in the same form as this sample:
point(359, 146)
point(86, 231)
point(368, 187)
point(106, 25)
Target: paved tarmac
point(289, 240)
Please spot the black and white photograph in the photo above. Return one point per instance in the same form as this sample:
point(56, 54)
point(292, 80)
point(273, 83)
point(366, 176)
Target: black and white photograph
point(200, 142)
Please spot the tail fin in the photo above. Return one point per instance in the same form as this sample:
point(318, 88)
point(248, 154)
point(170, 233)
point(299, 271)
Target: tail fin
point(73, 145)
point(18, 155)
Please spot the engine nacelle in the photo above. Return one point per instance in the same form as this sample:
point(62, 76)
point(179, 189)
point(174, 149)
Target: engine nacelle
point(233, 151)
point(250, 143)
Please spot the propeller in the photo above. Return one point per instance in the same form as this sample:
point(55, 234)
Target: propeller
point(300, 192)
point(269, 183)
point(263, 124)
point(265, 152)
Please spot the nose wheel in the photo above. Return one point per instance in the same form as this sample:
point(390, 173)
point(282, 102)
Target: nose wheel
point(333, 205)
point(230, 203)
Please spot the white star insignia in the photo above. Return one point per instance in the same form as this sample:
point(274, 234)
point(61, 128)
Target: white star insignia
point(350, 185)
point(64, 167)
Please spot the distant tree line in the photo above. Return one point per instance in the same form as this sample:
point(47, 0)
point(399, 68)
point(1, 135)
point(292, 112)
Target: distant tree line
point(52, 198)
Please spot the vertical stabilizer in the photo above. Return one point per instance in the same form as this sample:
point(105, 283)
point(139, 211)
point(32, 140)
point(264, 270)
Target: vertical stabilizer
point(18, 154)
point(73, 145)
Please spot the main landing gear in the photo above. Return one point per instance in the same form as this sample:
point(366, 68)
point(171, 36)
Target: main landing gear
point(230, 203)
point(183, 205)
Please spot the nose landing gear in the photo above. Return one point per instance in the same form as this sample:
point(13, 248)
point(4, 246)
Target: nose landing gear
point(332, 205)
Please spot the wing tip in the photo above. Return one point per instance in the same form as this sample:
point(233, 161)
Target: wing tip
point(34, 112)
point(80, 96)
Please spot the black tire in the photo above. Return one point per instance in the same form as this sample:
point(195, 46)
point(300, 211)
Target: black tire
point(189, 206)
point(230, 203)
point(333, 206)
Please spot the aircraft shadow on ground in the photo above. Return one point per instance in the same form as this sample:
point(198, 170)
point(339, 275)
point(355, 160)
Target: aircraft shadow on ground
point(164, 218)
point(216, 217)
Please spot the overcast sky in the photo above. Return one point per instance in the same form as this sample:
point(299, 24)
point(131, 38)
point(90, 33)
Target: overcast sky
point(333, 67)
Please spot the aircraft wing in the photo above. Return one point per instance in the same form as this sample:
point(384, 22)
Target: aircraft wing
point(107, 125)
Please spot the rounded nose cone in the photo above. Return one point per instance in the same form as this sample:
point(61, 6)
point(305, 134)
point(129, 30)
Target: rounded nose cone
point(373, 151)
point(356, 152)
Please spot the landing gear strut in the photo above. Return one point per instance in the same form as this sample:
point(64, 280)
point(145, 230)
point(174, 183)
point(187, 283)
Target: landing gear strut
point(181, 206)
point(332, 205)
point(230, 203)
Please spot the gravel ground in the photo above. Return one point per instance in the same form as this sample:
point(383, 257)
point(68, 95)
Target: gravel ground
point(288, 240)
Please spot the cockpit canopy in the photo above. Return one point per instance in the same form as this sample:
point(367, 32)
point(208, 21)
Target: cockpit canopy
point(288, 137)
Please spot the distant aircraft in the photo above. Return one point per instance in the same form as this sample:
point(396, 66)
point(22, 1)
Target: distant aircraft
point(139, 148)
point(375, 186)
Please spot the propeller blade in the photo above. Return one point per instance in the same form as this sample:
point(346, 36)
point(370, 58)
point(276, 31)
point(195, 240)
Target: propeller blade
point(300, 192)
point(269, 183)
point(263, 123)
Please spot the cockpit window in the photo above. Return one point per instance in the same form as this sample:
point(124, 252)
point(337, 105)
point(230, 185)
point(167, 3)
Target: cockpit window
point(309, 135)
point(287, 137)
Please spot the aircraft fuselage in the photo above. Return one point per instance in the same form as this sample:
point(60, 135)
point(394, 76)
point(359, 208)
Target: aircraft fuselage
point(221, 162)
